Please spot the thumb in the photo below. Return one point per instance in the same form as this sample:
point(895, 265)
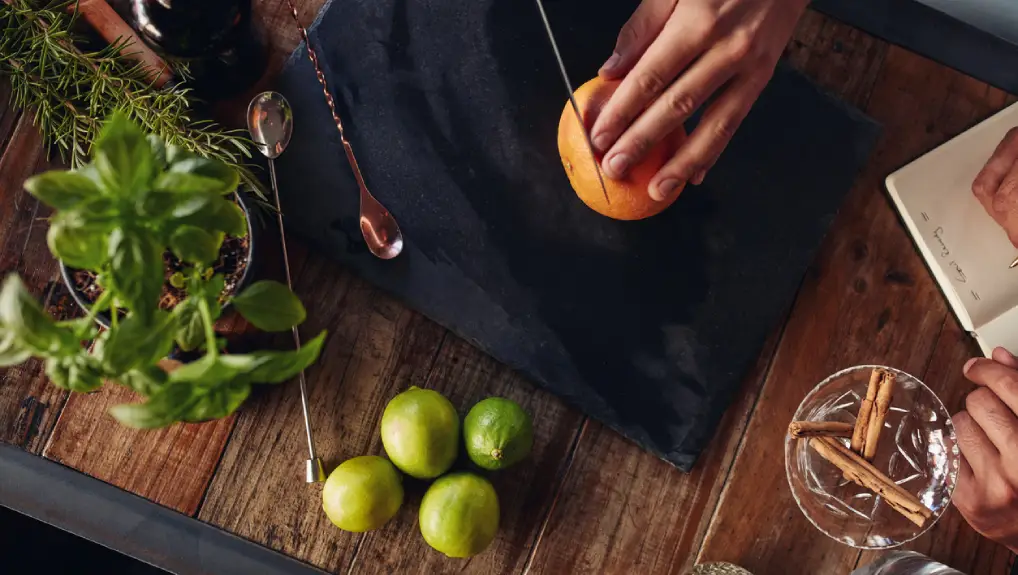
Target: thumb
point(636, 36)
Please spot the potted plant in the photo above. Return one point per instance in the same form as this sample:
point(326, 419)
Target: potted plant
point(115, 218)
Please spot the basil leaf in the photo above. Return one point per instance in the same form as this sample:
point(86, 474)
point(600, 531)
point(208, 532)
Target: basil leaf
point(270, 306)
point(84, 329)
point(185, 183)
point(136, 343)
point(190, 329)
point(62, 190)
point(12, 352)
point(275, 366)
point(218, 402)
point(123, 157)
point(220, 215)
point(22, 315)
point(75, 373)
point(195, 245)
point(204, 174)
point(163, 407)
point(176, 154)
point(146, 381)
point(76, 243)
point(136, 270)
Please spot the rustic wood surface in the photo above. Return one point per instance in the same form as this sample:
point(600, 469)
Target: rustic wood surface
point(587, 500)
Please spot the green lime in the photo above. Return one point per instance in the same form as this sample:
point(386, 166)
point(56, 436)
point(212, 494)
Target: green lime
point(420, 432)
point(459, 514)
point(362, 493)
point(498, 433)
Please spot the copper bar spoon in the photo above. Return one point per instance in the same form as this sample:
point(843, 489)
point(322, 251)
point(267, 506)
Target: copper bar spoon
point(379, 228)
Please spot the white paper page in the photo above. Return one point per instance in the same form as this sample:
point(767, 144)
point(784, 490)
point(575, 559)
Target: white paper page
point(967, 250)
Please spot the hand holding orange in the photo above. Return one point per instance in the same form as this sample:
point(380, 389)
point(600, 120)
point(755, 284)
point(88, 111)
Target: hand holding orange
point(628, 198)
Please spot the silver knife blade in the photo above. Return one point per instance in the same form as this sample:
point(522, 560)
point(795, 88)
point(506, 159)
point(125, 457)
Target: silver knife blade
point(572, 100)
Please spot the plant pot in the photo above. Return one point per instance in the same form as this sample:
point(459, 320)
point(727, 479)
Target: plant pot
point(244, 277)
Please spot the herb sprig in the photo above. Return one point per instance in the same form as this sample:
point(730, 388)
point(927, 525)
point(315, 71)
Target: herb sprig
point(70, 90)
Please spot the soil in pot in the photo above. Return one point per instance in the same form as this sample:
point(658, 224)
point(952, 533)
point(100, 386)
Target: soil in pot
point(234, 258)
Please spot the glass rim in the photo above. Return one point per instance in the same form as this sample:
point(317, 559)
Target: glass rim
point(791, 443)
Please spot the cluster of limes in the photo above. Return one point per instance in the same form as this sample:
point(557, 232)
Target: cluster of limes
point(420, 433)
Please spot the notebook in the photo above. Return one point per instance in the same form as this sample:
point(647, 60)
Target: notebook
point(967, 252)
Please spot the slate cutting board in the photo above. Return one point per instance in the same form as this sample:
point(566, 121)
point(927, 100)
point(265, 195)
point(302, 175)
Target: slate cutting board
point(453, 107)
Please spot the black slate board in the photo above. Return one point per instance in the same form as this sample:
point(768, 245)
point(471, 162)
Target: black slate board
point(453, 107)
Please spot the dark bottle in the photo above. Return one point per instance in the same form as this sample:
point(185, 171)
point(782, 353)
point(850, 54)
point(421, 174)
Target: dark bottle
point(213, 37)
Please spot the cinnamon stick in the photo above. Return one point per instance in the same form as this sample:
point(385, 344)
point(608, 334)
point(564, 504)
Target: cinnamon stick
point(112, 28)
point(798, 429)
point(865, 475)
point(879, 413)
point(862, 421)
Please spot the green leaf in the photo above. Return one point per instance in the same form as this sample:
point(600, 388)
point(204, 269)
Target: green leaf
point(12, 352)
point(136, 270)
point(215, 176)
point(190, 329)
point(77, 243)
point(221, 215)
point(195, 245)
point(275, 366)
point(163, 407)
point(84, 329)
point(22, 315)
point(135, 343)
point(270, 306)
point(185, 183)
point(77, 373)
point(218, 402)
point(123, 157)
point(62, 190)
point(146, 381)
point(176, 154)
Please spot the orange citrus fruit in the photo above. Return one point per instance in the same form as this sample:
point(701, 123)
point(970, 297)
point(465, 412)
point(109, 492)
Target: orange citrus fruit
point(627, 197)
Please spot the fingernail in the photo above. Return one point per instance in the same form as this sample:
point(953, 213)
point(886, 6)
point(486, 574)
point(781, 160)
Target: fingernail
point(968, 365)
point(665, 189)
point(601, 141)
point(618, 164)
point(612, 62)
point(698, 178)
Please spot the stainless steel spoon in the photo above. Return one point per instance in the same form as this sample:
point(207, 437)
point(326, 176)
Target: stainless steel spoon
point(270, 122)
point(379, 228)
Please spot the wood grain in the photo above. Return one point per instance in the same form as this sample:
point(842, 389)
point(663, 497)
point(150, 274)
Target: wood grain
point(632, 511)
point(28, 404)
point(868, 300)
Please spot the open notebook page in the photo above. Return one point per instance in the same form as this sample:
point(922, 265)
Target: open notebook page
point(966, 250)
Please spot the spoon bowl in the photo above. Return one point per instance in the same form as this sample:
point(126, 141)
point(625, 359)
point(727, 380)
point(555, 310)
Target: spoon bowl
point(270, 122)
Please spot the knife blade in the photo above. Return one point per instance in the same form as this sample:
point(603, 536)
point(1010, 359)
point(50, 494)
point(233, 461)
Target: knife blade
point(572, 99)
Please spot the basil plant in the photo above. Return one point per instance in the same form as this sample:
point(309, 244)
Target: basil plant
point(116, 217)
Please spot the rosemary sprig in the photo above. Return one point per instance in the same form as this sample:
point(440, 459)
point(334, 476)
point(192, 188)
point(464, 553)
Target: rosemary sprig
point(69, 90)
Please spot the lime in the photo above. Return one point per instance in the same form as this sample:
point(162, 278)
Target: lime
point(498, 433)
point(459, 514)
point(362, 493)
point(420, 432)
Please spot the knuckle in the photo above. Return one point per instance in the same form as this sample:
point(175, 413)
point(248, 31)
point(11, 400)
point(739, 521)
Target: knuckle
point(980, 400)
point(650, 82)
point(631, 32)
point(742, 48)
point(639, 145)
point(681, 104)
point(724, 129)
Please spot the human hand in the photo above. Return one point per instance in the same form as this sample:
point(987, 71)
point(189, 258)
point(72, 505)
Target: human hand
point(996, 186)
point(674, 55)
point(987, 491)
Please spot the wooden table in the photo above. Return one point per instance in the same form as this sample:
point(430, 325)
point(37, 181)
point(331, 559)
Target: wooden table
point(587, 500)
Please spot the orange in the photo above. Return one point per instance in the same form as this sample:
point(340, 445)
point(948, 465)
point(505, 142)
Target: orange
point(628, 196)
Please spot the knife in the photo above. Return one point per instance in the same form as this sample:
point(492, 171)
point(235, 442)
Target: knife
point(572, 99)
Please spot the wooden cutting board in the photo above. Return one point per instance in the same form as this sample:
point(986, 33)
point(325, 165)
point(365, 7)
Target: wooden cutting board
point(453, 107)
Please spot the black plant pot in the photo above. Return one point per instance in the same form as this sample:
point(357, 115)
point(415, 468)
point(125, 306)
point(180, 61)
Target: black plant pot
point(253, 260)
